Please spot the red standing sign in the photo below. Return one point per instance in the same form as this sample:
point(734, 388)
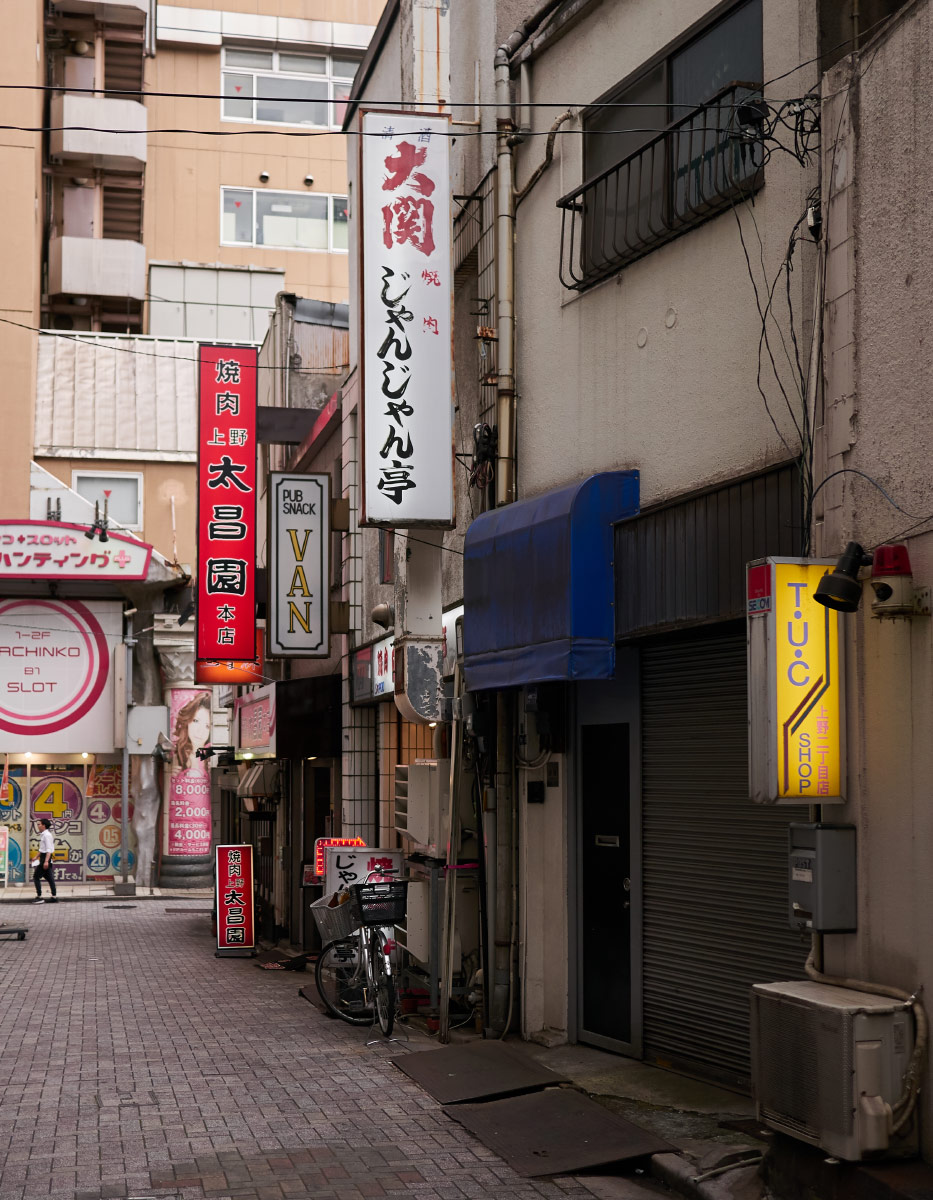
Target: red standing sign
point(236, 931)
point(226, 607)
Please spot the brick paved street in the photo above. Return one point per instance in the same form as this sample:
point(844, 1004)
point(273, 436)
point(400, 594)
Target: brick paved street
point(135, 1064)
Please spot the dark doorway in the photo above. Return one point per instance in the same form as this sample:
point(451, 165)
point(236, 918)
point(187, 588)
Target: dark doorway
point(605, 883)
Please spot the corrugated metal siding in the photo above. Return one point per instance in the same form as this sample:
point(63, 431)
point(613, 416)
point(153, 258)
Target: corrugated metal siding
point(685, 564)
point(715, 884)
point(118, 396)
point(322, 348)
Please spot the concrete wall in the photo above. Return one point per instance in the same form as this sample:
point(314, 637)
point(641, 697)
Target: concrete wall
point(878, 358)
point(656, 367)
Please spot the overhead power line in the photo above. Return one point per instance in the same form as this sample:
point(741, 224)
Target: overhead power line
point(267, 130)
point(99, 345)
point(144, 94)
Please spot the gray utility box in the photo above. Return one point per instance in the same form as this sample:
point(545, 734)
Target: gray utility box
point(821, 878)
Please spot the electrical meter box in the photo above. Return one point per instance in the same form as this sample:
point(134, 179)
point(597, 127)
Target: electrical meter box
point(821, 878)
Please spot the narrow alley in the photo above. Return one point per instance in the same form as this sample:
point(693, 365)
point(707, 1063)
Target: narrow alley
point(136, 1064)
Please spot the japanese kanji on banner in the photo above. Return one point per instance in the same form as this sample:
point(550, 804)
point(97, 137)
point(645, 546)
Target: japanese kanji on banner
point(226, 609)
point(235, 924)
point(406, 300)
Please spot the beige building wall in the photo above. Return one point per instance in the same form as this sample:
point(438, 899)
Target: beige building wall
point(186, 172)
point(20, 250)
point(161, 483)
point(654, 368)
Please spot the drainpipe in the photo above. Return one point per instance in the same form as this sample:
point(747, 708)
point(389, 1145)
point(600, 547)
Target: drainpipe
point(505, 282)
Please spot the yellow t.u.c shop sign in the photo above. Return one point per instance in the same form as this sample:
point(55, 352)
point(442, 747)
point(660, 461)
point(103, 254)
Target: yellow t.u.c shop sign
point(796, 687)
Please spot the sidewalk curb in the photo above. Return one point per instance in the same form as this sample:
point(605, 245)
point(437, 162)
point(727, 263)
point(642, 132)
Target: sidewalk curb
point(679, 1174)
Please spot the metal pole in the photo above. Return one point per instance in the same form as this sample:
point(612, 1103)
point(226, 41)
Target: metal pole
point(128, 643)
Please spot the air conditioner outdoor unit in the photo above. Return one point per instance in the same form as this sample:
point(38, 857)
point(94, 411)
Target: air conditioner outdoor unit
point(828, 1065)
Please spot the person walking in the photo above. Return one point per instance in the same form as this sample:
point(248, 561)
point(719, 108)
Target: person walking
point(44, 863)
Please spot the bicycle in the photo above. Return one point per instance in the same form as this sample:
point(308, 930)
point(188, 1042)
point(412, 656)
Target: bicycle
point(354, 973)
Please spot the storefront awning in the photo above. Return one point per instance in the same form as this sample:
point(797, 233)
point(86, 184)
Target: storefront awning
point(538, 585)
point(259, 779)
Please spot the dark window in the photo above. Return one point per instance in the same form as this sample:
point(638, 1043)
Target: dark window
point(386, 556)
point(670, 160)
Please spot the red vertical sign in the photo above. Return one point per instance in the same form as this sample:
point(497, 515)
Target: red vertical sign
point(226, 608)
point(235, 926)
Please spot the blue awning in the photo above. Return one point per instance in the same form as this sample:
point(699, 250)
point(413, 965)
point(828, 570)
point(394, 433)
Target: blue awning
point(538, 585)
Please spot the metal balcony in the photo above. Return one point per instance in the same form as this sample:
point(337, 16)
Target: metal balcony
point(698, 166)
point(97, 267)
point(108, 12)
point(82, 126)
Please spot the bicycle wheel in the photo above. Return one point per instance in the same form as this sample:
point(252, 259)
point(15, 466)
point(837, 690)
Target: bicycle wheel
point(341, 981)
point(383, 983)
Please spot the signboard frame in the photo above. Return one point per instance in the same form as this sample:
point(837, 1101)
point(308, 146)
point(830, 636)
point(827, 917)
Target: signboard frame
point(346, 865)
point(42, 543)
point(261, 698)
point(223, 862)
point(226, 521)
point(220, 672)
point(289, 563)
point(398, 201)
point(786, 727)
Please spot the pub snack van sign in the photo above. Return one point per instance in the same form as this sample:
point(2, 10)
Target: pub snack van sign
point(796, 686)
point(299, 567)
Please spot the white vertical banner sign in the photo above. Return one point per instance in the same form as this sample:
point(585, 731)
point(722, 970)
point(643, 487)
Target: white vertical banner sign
point(299, 570)
point(406, 299)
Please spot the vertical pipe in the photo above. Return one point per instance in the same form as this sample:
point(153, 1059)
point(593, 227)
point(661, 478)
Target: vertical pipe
point(505, 283)
point(499, 984)
point(129, 642)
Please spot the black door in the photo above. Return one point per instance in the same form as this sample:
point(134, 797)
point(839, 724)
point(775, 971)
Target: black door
point(605, 885)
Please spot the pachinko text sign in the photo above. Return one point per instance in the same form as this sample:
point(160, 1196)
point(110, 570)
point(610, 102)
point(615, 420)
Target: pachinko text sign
point(406, 298)
point(226, 608)
point(56, 684)
point(796, 686)
point(235, 924)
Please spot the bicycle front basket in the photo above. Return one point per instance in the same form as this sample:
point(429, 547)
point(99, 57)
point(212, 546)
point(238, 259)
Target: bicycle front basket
point(381, 903)
point(334, 923)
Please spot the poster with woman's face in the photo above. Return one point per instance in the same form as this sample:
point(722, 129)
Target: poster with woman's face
point(189, 798)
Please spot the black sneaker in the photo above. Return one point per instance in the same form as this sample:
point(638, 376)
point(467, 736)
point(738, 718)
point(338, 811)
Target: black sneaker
point(52, 900)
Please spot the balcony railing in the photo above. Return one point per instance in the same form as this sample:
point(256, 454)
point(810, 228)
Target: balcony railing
point(698, 166)
point(101, 131)
point(87, 266)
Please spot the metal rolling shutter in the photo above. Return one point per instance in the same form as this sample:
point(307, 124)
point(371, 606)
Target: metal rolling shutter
point(715, 892)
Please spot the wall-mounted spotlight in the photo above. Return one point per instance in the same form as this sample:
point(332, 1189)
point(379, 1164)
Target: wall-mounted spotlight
point(186, 613)
point(99, 528)
point(263, 176)
point(840, 588)
point(309, 181)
